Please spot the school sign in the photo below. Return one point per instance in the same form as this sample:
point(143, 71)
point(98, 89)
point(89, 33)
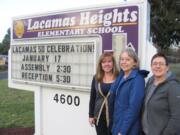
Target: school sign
point(55, 55)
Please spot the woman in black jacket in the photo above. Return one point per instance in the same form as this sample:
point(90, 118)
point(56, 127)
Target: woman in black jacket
point(106, 73)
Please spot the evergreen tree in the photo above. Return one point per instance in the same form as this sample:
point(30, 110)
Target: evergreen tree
point(4, 46)
point(165, 22)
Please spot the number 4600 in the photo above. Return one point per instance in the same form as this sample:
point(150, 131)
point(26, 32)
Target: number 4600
point(63, 99)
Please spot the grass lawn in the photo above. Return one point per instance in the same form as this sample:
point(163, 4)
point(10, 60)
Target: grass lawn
point(16, 107)
point(3, 68)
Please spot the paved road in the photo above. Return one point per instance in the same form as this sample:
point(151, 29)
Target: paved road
point(4, 75)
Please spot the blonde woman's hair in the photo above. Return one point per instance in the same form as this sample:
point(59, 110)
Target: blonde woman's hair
point(100, 72)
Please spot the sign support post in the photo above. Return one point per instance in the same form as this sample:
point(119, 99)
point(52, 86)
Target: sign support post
point(38, 109)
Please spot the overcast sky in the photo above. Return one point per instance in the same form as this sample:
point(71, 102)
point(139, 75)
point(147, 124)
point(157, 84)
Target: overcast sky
point(14, 8)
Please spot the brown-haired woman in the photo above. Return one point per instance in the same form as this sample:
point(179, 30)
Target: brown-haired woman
point(106, 73)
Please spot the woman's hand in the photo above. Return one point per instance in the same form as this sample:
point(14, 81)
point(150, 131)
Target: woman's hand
point(91, 121)
point(119, 133)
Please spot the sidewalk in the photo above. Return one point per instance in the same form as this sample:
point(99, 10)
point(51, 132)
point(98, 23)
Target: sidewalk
point(3, 74)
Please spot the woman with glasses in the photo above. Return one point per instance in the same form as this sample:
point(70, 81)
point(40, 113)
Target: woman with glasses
point(161, 110)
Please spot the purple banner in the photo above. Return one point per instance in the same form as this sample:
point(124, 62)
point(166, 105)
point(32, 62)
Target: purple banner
point(104, 22)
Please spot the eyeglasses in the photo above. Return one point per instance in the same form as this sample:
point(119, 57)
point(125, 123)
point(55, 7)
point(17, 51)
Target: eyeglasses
point(158, 63)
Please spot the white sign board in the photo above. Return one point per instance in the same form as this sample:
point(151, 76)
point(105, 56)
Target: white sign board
point(65, 113)
point(65, 64)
